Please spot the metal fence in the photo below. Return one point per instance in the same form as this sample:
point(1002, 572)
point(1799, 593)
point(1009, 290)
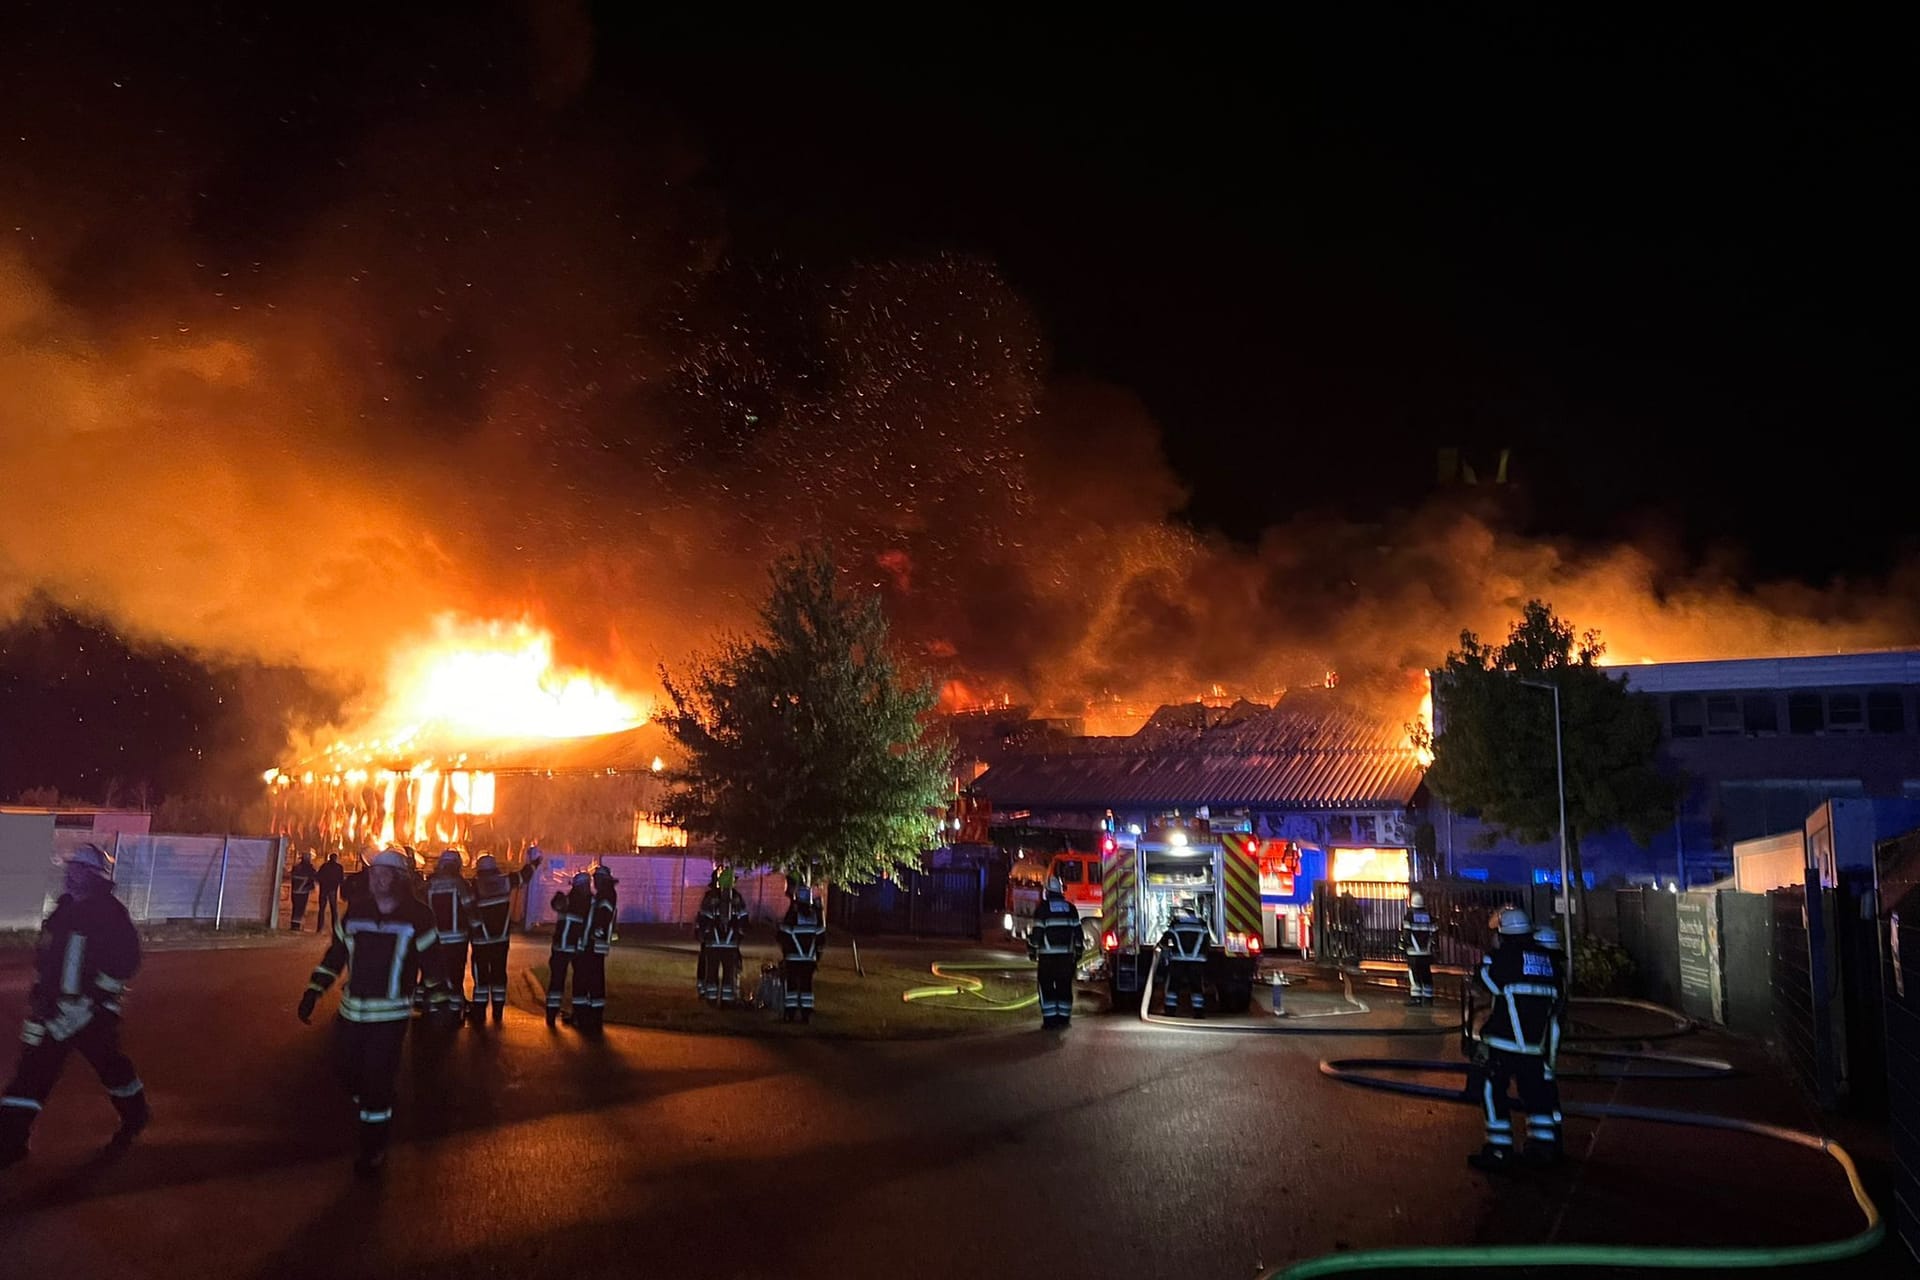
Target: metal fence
point(656, 888)
point(1360, 920)
point(938, 904)
point(161, 877)
point(1793, 1005)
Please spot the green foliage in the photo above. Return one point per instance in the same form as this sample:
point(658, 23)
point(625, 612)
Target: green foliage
point(1496, 754)
point(804, 746)
point(1602, 968)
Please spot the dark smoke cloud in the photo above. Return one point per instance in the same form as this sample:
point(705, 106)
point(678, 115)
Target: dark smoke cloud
point(289, 366)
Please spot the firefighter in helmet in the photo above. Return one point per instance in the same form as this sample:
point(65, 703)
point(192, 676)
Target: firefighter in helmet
point(1417, 930)
point(1518, 1042)
point(492, 906)
point(590, 966)
point(88, 953)
point(723, 917)
point(1184, 947)
point(384, 948)
point(1055, 942)
point(802, 934)
point(570, 908)
point(450, 898)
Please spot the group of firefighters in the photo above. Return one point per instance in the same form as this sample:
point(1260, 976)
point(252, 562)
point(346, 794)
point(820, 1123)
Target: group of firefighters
point(403, 946)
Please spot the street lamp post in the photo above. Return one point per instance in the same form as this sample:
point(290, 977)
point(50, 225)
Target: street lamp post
point(1560, 774)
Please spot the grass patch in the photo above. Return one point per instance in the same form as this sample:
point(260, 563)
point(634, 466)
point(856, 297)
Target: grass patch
point(652, 986)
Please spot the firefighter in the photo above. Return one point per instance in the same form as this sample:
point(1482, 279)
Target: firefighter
point(723, 918)
point(450, 899)
point(1184, 945)
point(801, 937)
point(329, 878)
point(1055, 942)
point(384, 948)
point(302, 879)
point(88, 953)
point(570, 907)
point(705, 986)
point(1417, 930)
point(590, 966)
point(1518, 1041)
point(492, 909)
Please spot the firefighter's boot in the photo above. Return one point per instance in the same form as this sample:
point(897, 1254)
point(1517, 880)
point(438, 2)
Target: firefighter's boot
point(14, 1125)
point(1492, 1159)
point(135, 1115)
point(372, 1156)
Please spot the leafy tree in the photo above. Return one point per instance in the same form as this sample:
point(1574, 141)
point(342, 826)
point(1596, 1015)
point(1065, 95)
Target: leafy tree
point(1495, 753)
point(804, 747)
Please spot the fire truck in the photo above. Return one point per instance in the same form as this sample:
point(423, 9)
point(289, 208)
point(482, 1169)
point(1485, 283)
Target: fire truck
point(1080, 875)
point(1149, 871)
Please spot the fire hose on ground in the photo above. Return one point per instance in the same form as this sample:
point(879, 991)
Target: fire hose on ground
point(960, 984)
point(1354, 1071)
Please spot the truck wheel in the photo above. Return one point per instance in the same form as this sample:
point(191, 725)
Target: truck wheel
point(1090, 934)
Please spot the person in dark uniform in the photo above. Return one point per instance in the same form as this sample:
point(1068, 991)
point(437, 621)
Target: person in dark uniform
point(1518, 1040)
point(384, 949)
point(1417, 931)
point(722, 922)
point(492, 909)
point(590, 966)
point(329, 877)
point(570, 907)
point(1184, 945)
point(301, 881)
point(88, 953)
point(450, 899)
point(705, 984)
point(801, 937)
point(1055, 943)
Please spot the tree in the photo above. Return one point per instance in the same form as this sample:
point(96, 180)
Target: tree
point(1495, 755)
point(804, 747)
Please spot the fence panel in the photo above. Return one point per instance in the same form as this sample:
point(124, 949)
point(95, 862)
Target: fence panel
point(1792, 982)
point(1660, 962)
point(656, 888)
point(1746, 936)
point(1361, 921)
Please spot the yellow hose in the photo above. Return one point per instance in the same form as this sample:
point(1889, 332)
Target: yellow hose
point(961, 984)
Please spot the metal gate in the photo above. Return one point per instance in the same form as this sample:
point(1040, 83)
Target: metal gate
point(1360, 920)
point(938, 904)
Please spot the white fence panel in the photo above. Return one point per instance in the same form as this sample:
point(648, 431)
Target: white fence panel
point(655, 888)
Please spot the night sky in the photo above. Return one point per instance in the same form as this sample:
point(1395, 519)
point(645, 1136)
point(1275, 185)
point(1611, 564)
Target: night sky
point(1663, 264)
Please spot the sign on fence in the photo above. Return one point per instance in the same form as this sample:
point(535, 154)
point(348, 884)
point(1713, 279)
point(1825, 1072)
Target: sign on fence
point(1697, 930)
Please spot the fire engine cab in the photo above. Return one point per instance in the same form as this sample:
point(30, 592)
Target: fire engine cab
point(1149, 871)
point(1081, 873)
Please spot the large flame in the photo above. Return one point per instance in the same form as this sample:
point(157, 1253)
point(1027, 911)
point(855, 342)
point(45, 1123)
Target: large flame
point(493, 681)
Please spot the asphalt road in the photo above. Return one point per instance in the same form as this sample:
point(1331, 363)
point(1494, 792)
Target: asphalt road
point(1115, 1150)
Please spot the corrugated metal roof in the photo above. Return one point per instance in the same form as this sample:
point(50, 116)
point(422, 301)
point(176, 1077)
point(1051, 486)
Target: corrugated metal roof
point(1307, 753)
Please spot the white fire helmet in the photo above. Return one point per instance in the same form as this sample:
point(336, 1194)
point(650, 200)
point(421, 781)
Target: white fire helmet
point(1418, 902)
point(1511, 922)
point(450, 860)
point(1055, 888)
point(1547, 936)
point(392, 859)
point(90, 858)
point(486, 862)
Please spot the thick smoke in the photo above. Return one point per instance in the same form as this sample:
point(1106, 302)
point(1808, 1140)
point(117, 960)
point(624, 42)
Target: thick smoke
point(289, 389)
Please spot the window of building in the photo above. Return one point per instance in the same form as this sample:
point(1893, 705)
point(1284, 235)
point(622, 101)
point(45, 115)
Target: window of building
point(1806, 713)
point(1846, 713)
point(1723, 713)
point(1886, 712)
point(1760, 713)
point(1689, 717)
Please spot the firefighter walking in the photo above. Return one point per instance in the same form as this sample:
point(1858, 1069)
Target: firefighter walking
point(722, 921)
point(88, 953)
point(590, 966)
point(801, 936)
point(328, 878)
point(301, 881)
point(384, 949)
point(570, 908)
point(1184, 946)
point(450, 899)
point(1519, 1042)
point(492, 910)
point(1417, 931)
point(1055, 943)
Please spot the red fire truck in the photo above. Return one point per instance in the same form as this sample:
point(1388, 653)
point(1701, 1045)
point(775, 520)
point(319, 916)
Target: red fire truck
point(1149, 871)
point(1080, 872)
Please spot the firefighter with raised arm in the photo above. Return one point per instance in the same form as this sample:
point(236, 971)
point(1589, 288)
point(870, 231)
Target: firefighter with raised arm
point(384, 949)
point(450, 898)
point(1184, 948)
point(590, 966)
point(88, 953)
point(1055, 943)
point(570, 907)
point(802, 934)
point(723, 919)
point(1417, 931)
point(1518, 1042)
point(492, 911)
